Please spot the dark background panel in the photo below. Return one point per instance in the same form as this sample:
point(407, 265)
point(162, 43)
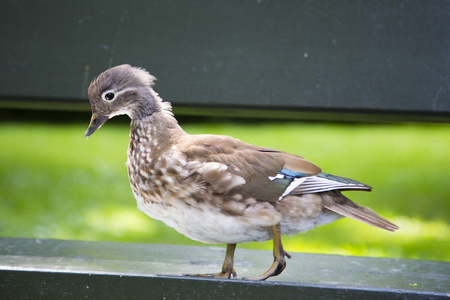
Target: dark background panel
point(333, 57)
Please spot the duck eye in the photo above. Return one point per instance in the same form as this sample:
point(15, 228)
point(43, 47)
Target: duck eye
point(109, 96)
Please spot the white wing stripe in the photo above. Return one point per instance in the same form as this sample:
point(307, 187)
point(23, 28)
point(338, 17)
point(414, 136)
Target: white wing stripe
point(292, 186)
point(315, 184)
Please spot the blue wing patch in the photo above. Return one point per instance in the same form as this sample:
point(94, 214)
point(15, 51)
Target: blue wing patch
point(292, 174)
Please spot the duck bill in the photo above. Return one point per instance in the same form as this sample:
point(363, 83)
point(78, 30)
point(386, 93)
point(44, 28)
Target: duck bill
point(96, 122)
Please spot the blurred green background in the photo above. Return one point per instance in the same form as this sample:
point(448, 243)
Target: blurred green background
point(55, 184)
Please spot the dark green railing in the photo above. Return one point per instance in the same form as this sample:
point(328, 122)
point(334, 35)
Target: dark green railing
point(55, 269)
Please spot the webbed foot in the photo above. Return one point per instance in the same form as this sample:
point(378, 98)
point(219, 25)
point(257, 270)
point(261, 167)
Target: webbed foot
point(279, 261)
point(227, 267)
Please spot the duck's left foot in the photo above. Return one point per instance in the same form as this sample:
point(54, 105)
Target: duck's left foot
point(279, 261)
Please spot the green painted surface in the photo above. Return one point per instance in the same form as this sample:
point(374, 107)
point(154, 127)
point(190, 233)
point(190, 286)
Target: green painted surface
point(50, 268)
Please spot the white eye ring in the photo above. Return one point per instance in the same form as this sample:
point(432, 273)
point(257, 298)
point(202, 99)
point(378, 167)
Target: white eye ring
point(108, 95)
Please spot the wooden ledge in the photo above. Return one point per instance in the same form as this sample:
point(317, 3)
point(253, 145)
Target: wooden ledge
point(31, 268)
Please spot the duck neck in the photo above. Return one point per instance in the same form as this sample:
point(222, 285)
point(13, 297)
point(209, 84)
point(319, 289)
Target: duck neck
point(157, 131)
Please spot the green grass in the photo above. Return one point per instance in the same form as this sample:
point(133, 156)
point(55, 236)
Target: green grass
point(55, 184)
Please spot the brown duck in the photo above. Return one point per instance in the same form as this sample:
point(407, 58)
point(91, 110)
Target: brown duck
point(217, 189)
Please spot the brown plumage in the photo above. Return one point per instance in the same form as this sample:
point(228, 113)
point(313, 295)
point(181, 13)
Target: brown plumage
point(217, 189)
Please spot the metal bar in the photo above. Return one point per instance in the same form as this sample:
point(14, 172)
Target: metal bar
point(32, 268)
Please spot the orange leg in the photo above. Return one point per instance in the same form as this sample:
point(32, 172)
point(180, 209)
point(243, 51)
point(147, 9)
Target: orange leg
point(279, 261)
point(227, 267)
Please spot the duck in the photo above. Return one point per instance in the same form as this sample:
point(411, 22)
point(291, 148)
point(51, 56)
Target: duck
point(217, 189)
